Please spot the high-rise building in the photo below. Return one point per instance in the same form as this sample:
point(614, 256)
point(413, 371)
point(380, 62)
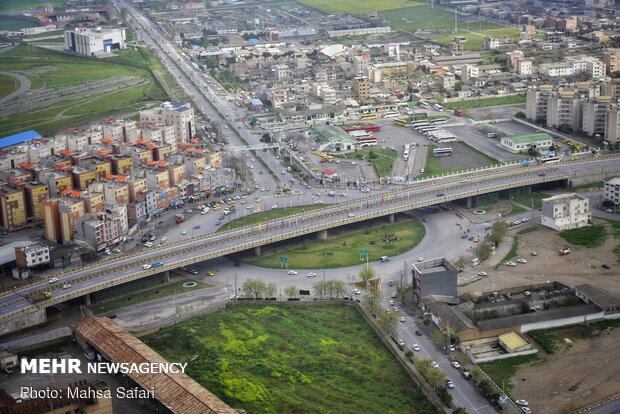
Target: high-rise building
point(91, 42)
point(536, 101)
point(595, 114)
point(611, 58)
point(179, 114)
point(612, 124)
point(362, 86)
point(564, 108)
point(12, 208)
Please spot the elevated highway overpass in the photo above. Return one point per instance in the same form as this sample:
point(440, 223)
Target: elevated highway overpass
point(16, 306)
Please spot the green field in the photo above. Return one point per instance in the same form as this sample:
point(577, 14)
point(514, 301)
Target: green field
point(533, 201)
point(264, 216)
point(47, 68)
point(18, 5)
point(289, 360)
point(168, 289)
point(486, 102)
point(591, 236)
point(502, 371)
point(358, 6)
point(381, 159)
point(475, 38)
point(343, 250)
point(14, 24)
point(8, 84)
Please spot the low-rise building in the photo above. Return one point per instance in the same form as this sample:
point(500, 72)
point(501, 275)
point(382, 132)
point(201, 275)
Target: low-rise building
point(520, 143)
point(433, 277)
point(91, 42)
point(32, 255)
point(612, 191)
point(566, 212)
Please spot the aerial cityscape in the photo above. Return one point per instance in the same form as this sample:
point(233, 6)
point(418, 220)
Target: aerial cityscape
point(310, 206)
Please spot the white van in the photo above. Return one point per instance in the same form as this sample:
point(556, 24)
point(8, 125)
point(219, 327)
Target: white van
point(148, 244)
point(385, 259)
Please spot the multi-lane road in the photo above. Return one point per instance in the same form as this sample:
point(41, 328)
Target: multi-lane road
point(108, 273)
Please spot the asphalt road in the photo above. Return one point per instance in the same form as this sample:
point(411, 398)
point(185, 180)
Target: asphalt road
point(24, 86)
point(435, 192)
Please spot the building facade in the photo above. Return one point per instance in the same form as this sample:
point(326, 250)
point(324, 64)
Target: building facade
point(566, 212)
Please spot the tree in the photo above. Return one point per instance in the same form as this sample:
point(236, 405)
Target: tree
point(388, 321)
point(521, 115)
point(460, 262)
point(320, 288)
point(541, 120)
point(366, 274)
point(255, 287)
point(337, 288)
point(533, 152)
point(565, 128)
point(458, 86)
point(291, 291)
point(371, 300)
point(436, 378)
point(270, 290)
point(460, 410)
point(294, 139)
point(484, 251)
point(266, 138)
point(439, 338)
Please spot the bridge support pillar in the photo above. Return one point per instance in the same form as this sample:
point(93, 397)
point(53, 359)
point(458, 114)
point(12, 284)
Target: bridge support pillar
point(257, 251)
point(322, 235)
point(469, 201)
point(167, 276)
point(390, 218)
point(87, 299)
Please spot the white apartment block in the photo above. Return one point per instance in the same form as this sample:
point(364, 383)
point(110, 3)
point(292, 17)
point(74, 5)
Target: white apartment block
point(536, 101)
point(564, 107)
point(32, 255)
point(524, 67)
point(178, 114)
point(595, 114)
point(556, 69)
point(566, 212)
point(612, 191)
point(90, 42)
point(612, 124)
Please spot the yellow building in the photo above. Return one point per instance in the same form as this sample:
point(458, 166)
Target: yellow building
point(83, 178)
point(13, 208)
point(94, 202)
point(122, 165)
point(136, 185)
point(177, 174)
point(35, 195)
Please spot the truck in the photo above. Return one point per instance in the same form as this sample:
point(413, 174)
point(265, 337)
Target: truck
point(564, 251)
point(459, 112)
point(179, 218)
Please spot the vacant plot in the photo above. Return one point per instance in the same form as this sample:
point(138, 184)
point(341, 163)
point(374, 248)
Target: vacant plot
point(358, 6)
point(423, 17)
point(8, 84)
point(264, 216)
point(484, 102)
point(502, 371)
point(464, 157)
point(15, 24)
point(47, 69)
point(381, 159)
point(475, 37)
point(286, 359)
point(533, 200)
point(18, 5)
point(343, 247)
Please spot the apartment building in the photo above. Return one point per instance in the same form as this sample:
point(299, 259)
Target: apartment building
point(491, 43)
point(595, 115)
point(612, 191)
point(57, 182)
point(612, 124)
point(178, 114)
point(60, 216)
point(12, 208)
point(35, 194)
point(362, 88)
point(524, 67)
point(566, 212)
point(611, 58)
point(564, 107)
point(32, 255)
point(447, 81)
point(537, 100)
point(556, 69)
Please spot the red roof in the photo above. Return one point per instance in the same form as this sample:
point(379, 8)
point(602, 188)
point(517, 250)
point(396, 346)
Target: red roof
point(65, 152)
point(106, 140)
point(150, 162)
point(162, 164)
point(329, 172)
point(65, 192)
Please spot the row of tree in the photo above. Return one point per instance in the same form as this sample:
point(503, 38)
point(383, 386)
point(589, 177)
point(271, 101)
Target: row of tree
point(257, 288)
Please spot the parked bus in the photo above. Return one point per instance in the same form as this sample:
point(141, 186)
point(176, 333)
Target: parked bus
point(438, 107)
point(400, 122)
point(427, 129)
point(442, 152)
point(549, 160)
point(367, 128)
point(439, 121)
point(423, 104)
point(420, 123)
point(368, 117)
point(391, 115)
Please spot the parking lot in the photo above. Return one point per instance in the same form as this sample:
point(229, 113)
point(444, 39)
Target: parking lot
point(476, 136)
point(496, 112)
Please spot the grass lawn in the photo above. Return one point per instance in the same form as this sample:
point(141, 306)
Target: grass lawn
point(422, 17)
point(591, 236)
point(533, 201)
point(546, 339)
point(512, 253)
point(358, 6)
point(18, 5)
point(486, 102)
point(47, 68)
point(8, 84)
point(168, 289)
point(267, 215)
point(290, 359)
point(516, 209)
point(505, 369)
point(15, 24)
point(381, 159)
point(343, 250)
point(474, 37)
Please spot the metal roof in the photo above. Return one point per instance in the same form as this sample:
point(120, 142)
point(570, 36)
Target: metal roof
point(178, 392)
point(18, 138)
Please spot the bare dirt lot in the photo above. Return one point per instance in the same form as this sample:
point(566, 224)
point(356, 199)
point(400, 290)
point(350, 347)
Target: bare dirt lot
point(574, 378)
point(583, 265)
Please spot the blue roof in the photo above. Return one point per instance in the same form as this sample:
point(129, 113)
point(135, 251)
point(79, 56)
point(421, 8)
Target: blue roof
point(18, 138)
point(253, 40)
point(256, 102)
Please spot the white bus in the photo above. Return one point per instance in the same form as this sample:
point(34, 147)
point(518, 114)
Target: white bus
point(391, 115)
point(549, 160)
point(439, 121)
point(438, 107)
point(423, 104)
point(442, 152)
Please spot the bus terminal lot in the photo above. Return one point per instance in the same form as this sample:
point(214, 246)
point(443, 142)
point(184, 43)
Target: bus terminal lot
point(476, 136)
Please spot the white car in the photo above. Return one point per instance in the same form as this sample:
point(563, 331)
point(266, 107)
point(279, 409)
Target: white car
point(456, 365)
point(53, 280)
point(511, 264)
point(292, 272)
point(482, 273)
point(449, 384)
point(311, 274)
point(452, 348)
point(402, 319)
point(415, 347)
point(147, 266)
point(116, 250)
point(391, 303)
point(524, 220)
point(351, 214)
point(521, 260)
point(163, 239)
point(184, 232)
point(66, 286)
point(357, 291)
point(522, 403)
point(526, 410)
point(534, 253)
point(420, 259)
point(434, 364)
